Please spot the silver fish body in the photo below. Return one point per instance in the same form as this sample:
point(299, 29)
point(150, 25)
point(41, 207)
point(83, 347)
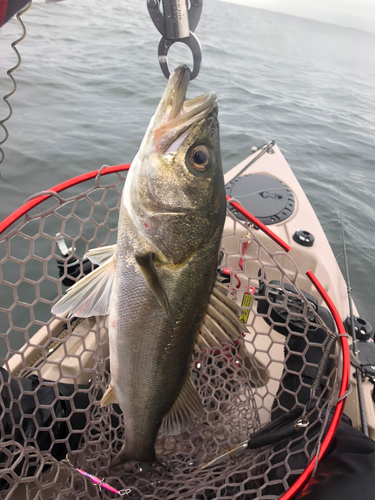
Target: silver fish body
point(150, 355)
point(170, 223)
point(176, 214)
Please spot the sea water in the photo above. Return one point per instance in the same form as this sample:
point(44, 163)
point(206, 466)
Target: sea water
point(90, 81)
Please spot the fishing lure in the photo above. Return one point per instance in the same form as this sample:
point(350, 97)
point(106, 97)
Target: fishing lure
point(99, 482)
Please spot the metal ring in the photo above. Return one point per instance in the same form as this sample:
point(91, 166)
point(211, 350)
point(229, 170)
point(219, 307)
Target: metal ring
point(192, 42)
point(301, 423)
point(124, 492)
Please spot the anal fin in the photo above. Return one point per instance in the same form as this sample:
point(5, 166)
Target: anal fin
point(186, 408)
point(109, 397)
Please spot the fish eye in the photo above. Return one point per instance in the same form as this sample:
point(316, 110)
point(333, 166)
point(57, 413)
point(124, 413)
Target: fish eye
point(200, 158)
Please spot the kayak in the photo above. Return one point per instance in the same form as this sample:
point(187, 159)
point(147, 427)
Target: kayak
point(280, 390)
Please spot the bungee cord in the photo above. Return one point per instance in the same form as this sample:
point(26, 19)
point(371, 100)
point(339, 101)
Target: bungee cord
point(9, 73)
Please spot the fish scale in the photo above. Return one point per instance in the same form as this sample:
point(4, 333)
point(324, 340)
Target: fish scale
point(154, 352)
point(156, 283)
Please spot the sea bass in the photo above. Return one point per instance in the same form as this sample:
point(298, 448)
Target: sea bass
point(156, 283)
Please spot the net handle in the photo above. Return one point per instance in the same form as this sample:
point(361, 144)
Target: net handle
point(303, 478)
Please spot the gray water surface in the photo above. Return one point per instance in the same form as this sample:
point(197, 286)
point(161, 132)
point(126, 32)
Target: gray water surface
point(90, 82)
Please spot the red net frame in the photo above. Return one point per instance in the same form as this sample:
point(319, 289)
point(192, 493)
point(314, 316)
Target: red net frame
point(33, 203)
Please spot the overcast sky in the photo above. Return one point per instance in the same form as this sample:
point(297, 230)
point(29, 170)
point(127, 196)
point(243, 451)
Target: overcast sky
point(358, 14)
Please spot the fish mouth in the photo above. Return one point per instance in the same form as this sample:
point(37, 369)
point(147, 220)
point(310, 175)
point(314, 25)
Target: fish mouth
point(175, 117)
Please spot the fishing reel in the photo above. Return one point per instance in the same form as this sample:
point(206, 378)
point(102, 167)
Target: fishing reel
point(363, 356)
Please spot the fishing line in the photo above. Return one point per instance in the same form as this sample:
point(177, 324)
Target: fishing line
point(9, 73)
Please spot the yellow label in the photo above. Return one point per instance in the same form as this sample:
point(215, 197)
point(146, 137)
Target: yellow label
point(246, 302)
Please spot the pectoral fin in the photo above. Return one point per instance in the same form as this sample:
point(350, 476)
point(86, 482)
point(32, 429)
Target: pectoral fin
point(90, 296)
point(147, 266)
point(187, 407)
point(101, 254)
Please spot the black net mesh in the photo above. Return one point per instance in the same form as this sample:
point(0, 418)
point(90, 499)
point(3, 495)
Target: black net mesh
point(54, 371)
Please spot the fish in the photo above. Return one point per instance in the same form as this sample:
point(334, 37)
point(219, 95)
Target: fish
point(158, 284)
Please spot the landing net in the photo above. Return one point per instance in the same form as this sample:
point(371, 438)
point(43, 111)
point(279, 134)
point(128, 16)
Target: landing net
point(54, 371)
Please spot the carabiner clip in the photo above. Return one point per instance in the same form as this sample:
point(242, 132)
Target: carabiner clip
point(176, 24)
point(192, 42)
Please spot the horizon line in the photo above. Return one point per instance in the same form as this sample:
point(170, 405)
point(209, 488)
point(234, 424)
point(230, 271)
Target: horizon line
point(241, 2)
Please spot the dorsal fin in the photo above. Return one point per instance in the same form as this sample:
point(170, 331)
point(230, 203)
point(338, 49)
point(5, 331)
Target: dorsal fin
point(221, 326)
point(221, 293)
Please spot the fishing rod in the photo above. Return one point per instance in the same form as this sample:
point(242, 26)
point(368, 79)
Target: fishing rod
point(358, 371)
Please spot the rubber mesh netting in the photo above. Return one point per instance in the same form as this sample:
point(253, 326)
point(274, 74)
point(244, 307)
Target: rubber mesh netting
point(54, 371)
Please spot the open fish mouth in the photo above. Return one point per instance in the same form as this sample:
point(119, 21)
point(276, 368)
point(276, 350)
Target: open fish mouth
point(175, 116)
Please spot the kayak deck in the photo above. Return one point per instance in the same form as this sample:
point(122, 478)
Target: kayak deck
point(239, 386)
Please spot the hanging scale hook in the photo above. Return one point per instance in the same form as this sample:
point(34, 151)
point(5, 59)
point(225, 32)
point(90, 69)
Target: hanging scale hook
point(176, 23)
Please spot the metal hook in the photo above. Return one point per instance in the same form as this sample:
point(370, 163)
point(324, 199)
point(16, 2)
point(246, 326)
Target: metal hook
point(99, 485)
point(67, 461)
